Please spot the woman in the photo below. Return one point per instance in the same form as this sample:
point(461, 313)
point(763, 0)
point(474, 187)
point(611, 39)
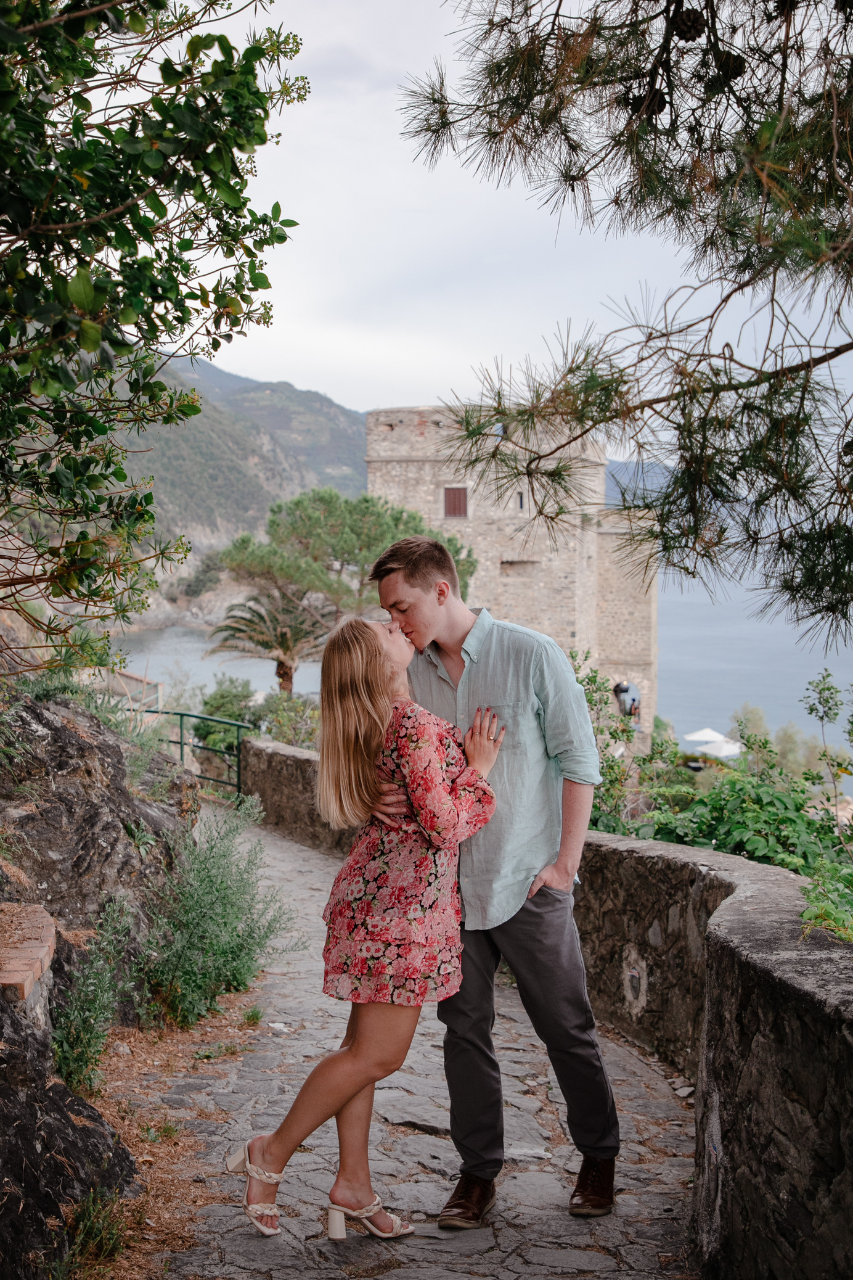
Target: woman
point(393, 915)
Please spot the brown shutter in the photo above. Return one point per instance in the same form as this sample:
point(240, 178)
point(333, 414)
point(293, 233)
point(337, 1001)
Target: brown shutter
point(456, 502)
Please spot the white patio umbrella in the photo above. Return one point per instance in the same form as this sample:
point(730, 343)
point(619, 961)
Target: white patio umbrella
point(705, 735)
point(722, 749)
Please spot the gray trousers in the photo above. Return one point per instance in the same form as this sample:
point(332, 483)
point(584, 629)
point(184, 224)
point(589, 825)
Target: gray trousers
point(541, 946)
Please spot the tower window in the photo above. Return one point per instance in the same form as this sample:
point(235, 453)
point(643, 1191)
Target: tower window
point(456, 502)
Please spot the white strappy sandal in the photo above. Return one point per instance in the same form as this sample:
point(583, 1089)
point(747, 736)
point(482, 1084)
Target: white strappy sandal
point(338, 1221)
point(239, 1162)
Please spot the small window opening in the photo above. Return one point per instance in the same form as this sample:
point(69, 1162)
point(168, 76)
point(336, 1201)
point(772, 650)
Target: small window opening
point(521, 502)
point(456, 502)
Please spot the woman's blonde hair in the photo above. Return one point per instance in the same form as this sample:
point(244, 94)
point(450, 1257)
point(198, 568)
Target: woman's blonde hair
point(355, 710)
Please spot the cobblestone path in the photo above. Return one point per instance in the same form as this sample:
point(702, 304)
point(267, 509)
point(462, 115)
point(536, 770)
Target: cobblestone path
point(529, 1233)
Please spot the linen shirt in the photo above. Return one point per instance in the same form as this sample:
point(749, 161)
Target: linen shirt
point(527, 679)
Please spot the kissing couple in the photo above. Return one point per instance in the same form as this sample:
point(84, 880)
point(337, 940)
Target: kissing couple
point(445, 728)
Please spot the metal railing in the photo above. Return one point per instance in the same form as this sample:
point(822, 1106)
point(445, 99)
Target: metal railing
point(199, 745)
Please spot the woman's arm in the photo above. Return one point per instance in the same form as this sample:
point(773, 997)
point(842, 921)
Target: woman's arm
point(447, 811)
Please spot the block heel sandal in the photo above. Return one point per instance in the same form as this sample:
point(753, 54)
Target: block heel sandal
point(338, 1221)
point(239, 1162)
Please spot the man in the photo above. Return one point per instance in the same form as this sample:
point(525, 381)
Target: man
point(516, 876)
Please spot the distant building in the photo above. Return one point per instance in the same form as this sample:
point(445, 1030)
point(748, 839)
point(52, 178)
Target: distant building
point(579, 592)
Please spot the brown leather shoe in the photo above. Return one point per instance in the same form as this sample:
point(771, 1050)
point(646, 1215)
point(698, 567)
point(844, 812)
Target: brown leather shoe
point(471, 1200)
point(593, 1193)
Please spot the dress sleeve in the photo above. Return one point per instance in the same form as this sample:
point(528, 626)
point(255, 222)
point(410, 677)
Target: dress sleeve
point(447, 811)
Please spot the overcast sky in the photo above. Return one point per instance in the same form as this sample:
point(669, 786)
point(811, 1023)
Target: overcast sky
point(399, 281)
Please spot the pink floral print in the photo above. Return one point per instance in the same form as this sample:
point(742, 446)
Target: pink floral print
point(393, 915)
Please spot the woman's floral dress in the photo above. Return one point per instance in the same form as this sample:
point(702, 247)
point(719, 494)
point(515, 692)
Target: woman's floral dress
point(393, 915)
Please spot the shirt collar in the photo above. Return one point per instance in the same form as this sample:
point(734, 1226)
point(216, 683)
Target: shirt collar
point(475, 639)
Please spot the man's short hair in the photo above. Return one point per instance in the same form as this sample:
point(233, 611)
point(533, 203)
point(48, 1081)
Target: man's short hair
point(422, 562)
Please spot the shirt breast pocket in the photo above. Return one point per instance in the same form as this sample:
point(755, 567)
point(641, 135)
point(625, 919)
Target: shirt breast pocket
point(511, 715)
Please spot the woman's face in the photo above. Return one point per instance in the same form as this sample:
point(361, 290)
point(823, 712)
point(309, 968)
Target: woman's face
point(398, 649)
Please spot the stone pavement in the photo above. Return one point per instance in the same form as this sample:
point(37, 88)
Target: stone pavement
point(529, 1233)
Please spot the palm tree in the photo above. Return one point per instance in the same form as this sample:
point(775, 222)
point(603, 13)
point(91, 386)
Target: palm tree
point(276, 624)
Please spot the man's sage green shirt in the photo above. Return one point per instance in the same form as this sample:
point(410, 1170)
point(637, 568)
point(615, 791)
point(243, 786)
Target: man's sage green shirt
point(527, 679)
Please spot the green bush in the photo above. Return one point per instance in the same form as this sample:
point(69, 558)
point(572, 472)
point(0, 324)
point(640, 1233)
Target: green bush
point(285, 716)
point(291, 719)
point(830, 899)
point(232, 700)
point(213, 925)
point(97, 1232)
point(765, 818)
point(754, 808)
point(82, 1023)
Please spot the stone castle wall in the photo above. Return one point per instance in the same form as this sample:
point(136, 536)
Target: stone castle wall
point(577, 592)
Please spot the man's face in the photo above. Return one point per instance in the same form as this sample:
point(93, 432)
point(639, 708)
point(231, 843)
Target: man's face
point(416, 612)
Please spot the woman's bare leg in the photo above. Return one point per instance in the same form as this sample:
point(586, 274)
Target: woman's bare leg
point(377, 1041)
point(353, 1187)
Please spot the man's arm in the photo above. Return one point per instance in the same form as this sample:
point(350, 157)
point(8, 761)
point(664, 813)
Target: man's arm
point(577, 806)
point(570, 740)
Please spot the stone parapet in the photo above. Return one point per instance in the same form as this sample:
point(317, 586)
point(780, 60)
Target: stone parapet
point(27, 945)
point(701, 957)
point(284, 779)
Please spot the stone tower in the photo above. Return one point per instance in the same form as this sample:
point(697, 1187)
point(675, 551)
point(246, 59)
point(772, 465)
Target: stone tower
point(577, 592)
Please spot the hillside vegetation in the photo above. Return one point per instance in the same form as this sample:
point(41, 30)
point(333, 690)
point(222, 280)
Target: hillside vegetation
point(253, 443)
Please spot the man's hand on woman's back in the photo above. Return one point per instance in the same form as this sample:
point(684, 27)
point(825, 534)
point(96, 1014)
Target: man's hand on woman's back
point(393, 804)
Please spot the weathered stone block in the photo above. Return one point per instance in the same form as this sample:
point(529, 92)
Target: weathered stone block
point(283, 778)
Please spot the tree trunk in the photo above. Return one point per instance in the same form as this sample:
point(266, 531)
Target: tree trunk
point(284, 676)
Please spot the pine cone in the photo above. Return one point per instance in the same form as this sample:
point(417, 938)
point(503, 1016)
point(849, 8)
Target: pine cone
point(649, 103)
point(689, 24)
point(730, 65)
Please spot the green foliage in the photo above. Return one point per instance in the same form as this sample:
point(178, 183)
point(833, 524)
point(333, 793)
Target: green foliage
point(232, 700)
point(97, 1232)
point(315, 567)
point(126, 230)
point(324, 545)
point(755, 809)
point(830, 899)
point(158, 1132)
point(44, 686)
point(284, 624)
point(219, 1050)
point(82, 1023)
point(253, 1016)
point(765, 815)
point(343, 538)
point(144, 840)
point(631, 784)
point(284, 716)
point(291, 719)
point(214, 923)
point(727, 129)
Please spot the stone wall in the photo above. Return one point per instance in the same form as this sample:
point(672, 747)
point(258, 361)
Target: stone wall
point(726, 987)
point(283, 778)
point(700, 956)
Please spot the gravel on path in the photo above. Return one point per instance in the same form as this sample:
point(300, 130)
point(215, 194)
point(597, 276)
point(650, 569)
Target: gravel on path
point(528, 1234)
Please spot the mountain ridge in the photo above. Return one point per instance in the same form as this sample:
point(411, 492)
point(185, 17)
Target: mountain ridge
point(253, 443)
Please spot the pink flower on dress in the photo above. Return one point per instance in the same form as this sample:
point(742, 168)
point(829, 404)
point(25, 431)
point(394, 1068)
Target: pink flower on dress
point(394, 907)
